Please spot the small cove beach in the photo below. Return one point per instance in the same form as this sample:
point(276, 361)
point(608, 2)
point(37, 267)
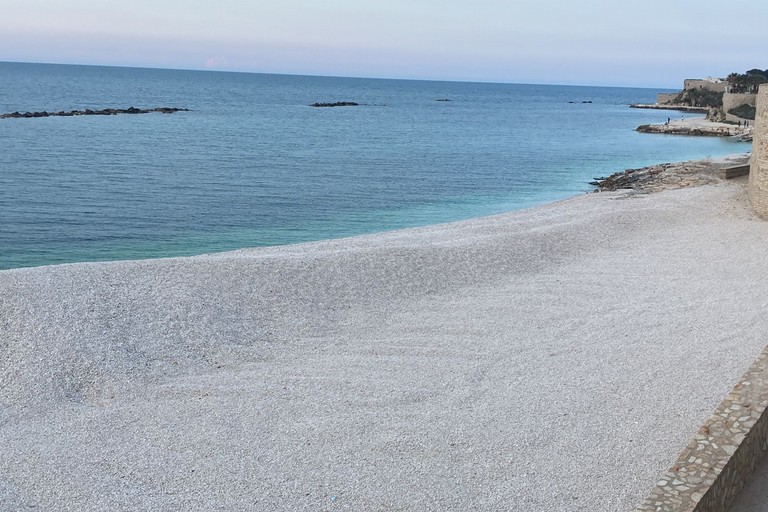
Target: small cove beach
point(554, 358)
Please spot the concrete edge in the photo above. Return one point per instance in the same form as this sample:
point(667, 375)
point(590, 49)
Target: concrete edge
point(736, 171)
point(711, 471)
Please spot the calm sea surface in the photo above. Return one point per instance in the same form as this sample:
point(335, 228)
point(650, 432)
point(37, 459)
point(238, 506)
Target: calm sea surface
point(253, 165)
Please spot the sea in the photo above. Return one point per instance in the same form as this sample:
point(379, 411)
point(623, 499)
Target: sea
point(253, 164)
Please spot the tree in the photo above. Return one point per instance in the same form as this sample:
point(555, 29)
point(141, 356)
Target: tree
point(747, 82)
point(733, 82)
point(754, 81)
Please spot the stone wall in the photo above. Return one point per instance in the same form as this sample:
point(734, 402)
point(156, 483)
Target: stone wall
point(704, 84)
point(716, 464)
point(758, 172)
point(733, 100)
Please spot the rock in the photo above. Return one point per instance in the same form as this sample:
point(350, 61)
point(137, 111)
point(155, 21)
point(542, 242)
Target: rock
point(89, 112)
point(337, 104)
point(169, 110)
point(659, 177)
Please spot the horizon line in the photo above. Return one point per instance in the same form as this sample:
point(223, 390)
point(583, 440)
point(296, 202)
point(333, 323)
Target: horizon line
point(411, 79)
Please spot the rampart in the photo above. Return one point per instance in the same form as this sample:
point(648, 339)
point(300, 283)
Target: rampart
point(758, 171)
point(710, 85)
point(733, 100)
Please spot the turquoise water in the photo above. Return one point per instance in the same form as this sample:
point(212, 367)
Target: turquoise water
point(253, 165)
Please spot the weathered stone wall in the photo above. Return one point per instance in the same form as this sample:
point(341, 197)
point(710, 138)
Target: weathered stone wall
point(758, 171)
point(733, 100)
point(704, 84)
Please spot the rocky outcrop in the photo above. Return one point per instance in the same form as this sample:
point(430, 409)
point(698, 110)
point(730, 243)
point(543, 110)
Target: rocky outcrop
point(665, 176)
point(89, 112)
point(336, 104)
point(682, 129)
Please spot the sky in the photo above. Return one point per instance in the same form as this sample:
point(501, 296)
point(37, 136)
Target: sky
point(646, 43)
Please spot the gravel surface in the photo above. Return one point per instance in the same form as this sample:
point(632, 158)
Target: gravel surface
point(554, 359)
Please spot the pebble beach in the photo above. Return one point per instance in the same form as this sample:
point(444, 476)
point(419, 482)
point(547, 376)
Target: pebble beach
point(552, 359)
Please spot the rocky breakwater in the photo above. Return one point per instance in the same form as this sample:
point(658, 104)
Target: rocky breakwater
point(714, 130)
point(89, 112)
point(656, 178)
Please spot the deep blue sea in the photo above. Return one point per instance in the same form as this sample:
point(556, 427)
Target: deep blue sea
point(252, 164)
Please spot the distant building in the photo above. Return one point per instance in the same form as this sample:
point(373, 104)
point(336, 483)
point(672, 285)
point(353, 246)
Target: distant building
point(711, 84)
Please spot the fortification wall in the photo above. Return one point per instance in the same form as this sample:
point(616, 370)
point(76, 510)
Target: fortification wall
point(704, 84)
point(733, 100)
point(758, 171)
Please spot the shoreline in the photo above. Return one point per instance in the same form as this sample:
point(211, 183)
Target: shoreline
point(695, 166)
point(511, 357)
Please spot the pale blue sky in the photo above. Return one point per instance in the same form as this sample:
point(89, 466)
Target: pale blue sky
point(655, 43)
